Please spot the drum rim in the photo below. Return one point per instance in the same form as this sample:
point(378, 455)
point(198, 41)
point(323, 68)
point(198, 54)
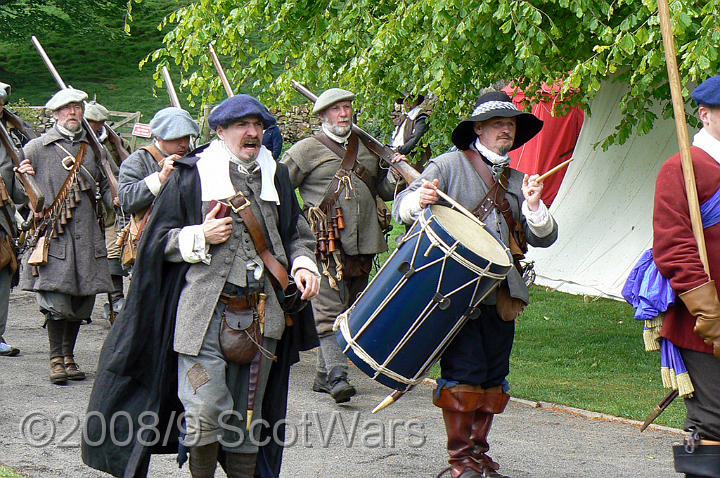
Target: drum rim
point(429, 217)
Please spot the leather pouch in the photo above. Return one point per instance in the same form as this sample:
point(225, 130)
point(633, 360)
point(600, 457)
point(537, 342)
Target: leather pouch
point(508, 307)
point(358, 266)
point(7, 254)
point(39, 256)
point(384, 216)
point(240, 335)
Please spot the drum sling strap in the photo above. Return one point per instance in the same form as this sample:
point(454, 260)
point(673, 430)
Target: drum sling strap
point(495, 199)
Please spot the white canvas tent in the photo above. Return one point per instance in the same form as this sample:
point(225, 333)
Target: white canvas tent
point(605, 204)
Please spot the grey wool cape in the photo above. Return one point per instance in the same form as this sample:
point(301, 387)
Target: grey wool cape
point(137, 369)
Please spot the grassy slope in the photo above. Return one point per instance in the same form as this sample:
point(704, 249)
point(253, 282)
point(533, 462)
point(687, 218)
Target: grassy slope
point(104, 67)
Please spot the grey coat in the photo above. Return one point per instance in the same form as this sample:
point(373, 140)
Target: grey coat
point(15, 190)
point(459, 179)
point(312, 166)
point(204, 282)
point(134, 194)
point(77, 263)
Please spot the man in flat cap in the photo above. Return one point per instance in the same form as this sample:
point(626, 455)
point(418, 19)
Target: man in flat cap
point(8, 223)
point(224, 232)
point(473, 387)
point(143, 173)
point(339, 179)
point(68, 266)
point(692, 324)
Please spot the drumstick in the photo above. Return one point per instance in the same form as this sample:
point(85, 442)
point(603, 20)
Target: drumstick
point(554, 170)
point(457, 205)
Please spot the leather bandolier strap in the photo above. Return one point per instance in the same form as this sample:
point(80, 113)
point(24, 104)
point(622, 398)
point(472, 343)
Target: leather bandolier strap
point(58, 203)
point(160, 158)
point(495, 199)
point(241, 205)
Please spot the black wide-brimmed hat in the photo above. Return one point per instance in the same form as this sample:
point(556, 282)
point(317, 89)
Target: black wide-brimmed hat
point(491, 105)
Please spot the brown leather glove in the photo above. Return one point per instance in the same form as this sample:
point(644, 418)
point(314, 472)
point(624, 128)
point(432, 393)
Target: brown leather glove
point(703, 303)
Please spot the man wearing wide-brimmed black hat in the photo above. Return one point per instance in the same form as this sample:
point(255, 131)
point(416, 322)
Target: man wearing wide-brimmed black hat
point(473, 387)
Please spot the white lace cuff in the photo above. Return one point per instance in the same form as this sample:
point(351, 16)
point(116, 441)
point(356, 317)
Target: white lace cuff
point(191, 242)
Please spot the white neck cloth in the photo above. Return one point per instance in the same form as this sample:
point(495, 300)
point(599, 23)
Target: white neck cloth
point(214, 169)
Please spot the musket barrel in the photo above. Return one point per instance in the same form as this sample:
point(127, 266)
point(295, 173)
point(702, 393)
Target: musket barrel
point(170, 88)
point(408, 173)
point(97, 148)
point(221, 71)
point(48, 63)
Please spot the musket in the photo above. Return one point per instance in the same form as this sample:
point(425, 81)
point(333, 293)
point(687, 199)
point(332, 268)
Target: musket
point(117, 142)
point(98, 149)
point(170, 88)
point(34, 194)
point(659, 408)
point(17, 122)
point(221, 72)
point(386, 153)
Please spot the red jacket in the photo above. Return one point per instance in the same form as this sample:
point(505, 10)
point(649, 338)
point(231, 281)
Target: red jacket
point(674, 246)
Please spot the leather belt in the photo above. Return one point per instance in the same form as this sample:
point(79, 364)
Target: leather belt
point(240, 302)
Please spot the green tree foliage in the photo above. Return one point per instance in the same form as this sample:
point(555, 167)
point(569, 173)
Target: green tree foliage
point(382, 49)
point(22, 18)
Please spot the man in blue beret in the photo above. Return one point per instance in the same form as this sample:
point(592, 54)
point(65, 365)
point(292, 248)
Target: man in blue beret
point(143, 173)
point(68, 266)
point(693, 323)
point(224, 233)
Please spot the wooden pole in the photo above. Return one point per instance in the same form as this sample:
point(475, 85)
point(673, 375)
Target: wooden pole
point(682, 132)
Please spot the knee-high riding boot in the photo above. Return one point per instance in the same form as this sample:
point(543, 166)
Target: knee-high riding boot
point(468, 412)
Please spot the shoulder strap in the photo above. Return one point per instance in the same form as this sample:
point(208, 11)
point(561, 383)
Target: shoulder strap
point(349, 162)
point(156, 153)
point(495, 198)
point(241, 205)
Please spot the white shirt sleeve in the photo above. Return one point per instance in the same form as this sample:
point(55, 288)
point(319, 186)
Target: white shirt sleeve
point(540, 222)
point(191, 242)
point(303, 262)
point(153, 183)
point(409, 208)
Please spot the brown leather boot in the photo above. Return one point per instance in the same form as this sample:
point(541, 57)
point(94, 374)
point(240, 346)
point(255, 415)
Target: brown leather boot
point(203, 460)
point(58, 375)
point(468, 412)
point(240, 465)
point(458, 426)
point(72, 369)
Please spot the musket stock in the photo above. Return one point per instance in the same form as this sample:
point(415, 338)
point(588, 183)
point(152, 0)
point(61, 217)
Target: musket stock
point(98, 149)
point(408, 173)
point(34, 194)
point(117, 142)
point(18, 124)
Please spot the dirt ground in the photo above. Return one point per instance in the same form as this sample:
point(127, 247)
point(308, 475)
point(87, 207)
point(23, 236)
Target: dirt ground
point(40, 425)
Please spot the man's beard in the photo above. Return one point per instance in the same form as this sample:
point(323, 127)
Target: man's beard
point(337, 130)
point(72, 127)
point(503, 150)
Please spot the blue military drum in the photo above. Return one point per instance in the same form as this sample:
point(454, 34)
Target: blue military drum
point(444, 266)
